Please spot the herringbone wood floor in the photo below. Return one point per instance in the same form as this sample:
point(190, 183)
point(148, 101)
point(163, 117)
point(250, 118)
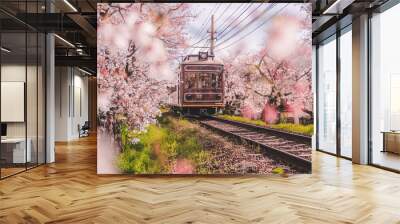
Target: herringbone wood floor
point(69, 191)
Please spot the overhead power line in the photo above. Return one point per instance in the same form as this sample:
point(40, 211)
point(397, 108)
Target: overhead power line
point(208, 24)
point(247, 25)
point(233, 20)
point(206, 20)
point(231, 15)
point(252, 31)
point(198, 42)
point(204, 26)
point(223, 12)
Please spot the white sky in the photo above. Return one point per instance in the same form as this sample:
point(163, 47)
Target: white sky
point(223, 17)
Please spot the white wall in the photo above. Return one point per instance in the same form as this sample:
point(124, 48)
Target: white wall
point(33, 127)
point(10, 73)
point(71, 94)
point(61, 103)
point(80, 110)
point(16, 72)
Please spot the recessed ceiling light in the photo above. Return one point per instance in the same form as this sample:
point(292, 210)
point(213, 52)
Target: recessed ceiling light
point(64, 40)
point(86, 72)
point(5, 50)
point(337, 7)
point(70, 5)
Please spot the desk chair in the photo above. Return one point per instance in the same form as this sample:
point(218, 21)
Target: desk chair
point(84, 130)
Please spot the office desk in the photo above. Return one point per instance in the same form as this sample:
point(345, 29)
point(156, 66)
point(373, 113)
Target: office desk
point(13, 150)
point(391, 141)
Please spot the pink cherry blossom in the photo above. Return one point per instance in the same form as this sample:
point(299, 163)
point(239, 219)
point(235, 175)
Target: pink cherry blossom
point(183, 166)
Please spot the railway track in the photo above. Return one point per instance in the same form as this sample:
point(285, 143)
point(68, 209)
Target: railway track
point(289, 148)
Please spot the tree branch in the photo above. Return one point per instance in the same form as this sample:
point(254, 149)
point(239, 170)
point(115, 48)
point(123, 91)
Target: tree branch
point(304, 74)
point(263, 95)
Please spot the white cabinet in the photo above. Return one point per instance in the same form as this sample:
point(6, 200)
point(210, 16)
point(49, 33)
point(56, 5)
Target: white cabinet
point(18, 149)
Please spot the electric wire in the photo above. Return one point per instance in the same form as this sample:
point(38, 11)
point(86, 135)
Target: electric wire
point(204, 28)
point(247, 25)
point(226, 27)
point(252, 31)
point(231, 15)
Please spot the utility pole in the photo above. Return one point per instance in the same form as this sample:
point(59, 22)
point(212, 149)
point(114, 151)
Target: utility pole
point(212, 36)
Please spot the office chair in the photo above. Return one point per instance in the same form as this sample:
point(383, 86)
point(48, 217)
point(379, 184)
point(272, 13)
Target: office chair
point(84, 130)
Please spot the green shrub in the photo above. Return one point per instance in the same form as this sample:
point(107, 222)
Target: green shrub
point(187, 146)
point(139, 157)
point(170, 144)
point(170, 140)
point(296, 128)
point(152, 135)
point(131, 161)
point(126, 161)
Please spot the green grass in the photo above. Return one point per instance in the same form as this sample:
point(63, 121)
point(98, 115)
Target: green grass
point(154, 150)
point(243, 119)
point(295, 128)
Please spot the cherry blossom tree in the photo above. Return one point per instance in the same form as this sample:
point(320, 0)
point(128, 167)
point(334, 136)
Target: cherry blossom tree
point(275, 81)
point(136, 44)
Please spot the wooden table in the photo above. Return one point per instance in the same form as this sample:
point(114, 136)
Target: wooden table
point(13, 150)
point(391, 141)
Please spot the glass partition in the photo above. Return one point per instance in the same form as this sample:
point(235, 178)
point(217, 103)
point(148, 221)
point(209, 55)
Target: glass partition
point(327, 95)
point(13, 94)
point(22, 88)
point(385, 89)
point(346, 93)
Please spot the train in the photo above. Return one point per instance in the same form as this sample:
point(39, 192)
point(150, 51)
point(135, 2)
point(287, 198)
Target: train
point(200, 84)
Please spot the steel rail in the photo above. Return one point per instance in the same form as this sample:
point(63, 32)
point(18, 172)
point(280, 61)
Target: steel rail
point(296, 162)
point(304, 139)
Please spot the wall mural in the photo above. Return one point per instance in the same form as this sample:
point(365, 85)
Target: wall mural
point(218, 88)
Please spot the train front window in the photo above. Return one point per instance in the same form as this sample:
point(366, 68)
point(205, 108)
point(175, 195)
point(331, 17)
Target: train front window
point(190, 80)
point(216, 81)
point(202, 80)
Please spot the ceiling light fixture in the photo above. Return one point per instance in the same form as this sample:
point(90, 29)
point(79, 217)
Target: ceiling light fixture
point(64, 40)
point(70, 5)
point(84, 71)
point(326, 11)
point(337, 7)
point(5, 50)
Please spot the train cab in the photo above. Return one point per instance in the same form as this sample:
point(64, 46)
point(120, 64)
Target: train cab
point(201, 84)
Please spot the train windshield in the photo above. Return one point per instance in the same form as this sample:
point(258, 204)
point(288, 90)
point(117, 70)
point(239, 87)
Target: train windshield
point(203, 81)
